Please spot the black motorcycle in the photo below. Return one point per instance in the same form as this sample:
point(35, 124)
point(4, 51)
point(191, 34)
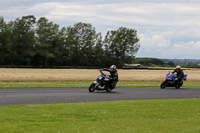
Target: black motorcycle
point(103, 82)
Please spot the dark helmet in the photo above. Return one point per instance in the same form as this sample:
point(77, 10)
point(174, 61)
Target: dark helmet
point(113, 68)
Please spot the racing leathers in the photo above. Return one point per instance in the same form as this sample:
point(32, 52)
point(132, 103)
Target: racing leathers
point(180, 75)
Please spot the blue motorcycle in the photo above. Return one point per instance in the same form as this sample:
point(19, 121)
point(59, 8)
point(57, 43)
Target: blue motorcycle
point(171, 81)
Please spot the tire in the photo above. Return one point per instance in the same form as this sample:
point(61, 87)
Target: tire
point(108, 89)
point(181, 83)
point(177, 86)
point(92, 87)
point(163, 85)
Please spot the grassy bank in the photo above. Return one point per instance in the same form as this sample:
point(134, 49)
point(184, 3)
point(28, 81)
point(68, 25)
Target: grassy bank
point(82, 84)
point(160, 116)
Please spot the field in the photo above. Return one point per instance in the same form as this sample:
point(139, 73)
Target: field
point(16, 74)
point(135, 116)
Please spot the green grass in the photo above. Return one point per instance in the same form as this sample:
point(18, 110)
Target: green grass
point(83, 84)
point(138, 116)
point(44, 84)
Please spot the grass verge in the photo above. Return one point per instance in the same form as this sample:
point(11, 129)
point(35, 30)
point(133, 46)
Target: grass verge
point(160, 116)
point(83, 84)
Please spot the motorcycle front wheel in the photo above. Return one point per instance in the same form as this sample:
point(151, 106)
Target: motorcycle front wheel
point(92, 87)
point(163, 85)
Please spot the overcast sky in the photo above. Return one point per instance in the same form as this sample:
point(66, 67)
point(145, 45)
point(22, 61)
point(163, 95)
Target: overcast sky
point(166, 28)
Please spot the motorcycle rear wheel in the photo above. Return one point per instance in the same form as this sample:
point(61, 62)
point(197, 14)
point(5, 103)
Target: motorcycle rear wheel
point(179, 85)
point(108, 89)
point(92, 87)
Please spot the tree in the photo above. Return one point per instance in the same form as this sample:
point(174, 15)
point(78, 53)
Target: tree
point(23, 39)
point(63, 49)
point(121, 46)
point(171, 64)
point(47, 36)
point(99, 53)
point(27, 42)
point(18, 40)
point(150, 62)
point(7, 51)
point(81, 39)
point(3, 40)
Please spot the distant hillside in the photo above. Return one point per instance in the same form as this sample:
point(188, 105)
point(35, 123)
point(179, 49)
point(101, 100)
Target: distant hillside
point(155, 62)
point(184, 62)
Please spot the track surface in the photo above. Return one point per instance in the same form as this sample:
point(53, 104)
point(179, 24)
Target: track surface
point(72, 95)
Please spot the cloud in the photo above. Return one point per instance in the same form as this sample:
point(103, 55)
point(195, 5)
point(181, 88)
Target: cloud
point(186, 50)
point(161, 47)
point(151, 14)
point(163, 26)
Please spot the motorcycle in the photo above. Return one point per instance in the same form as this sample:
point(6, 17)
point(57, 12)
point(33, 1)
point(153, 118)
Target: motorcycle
point(102, 83)
point(170, 81)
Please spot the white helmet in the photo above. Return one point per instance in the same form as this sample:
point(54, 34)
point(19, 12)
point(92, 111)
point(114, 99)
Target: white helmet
point(113, 68)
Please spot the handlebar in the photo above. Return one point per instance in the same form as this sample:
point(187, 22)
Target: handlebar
point(104, 75)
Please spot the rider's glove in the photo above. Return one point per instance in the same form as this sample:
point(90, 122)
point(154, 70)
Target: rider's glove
point(176, 78)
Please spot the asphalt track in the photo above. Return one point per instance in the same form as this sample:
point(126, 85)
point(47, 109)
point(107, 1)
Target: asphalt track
point(72, 95)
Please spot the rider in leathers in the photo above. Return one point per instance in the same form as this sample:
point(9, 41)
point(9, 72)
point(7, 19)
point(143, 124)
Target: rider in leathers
point(113, 74)
point(180, 74)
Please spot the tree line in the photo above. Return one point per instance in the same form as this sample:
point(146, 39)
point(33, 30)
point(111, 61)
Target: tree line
point(154, 62)
point(30, 42)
